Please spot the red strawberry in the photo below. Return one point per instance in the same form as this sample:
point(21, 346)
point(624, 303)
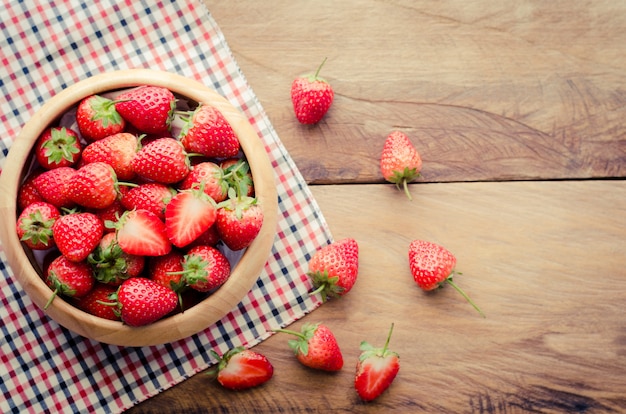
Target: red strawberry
point(238, 222)
point(433, 265)
point(34, 225)
point(141, 233)
point(241, 368)
point(111, 265)
point(148, 108)
point(237, 173)
point(167, 270)
point(311, 97)
point(142, 301)
point(110, 213)
point(334, 268)
point(149, 196)
point(163, 160)
point(400, 163)
point(205, 268)
point(27, 192)
point(212, 176)
point(316, 347)
point(208, 238)
point(69, 278)
point(53, 186)
point(97, 118)
point(188, 214)
point(93, 186)
point(207, 132)
point(375, 370)
point(98, 302)
point(57, 147)
point(117, 150)
point(77, 234)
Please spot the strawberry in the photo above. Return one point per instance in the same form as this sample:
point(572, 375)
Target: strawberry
point(311, 97)
point(316, 347)
point(93, 186)
point(142, 301)
point(167, 270)
point(205, 268)
point(77, 234)
point(241, 368)
point(68, 278)
point(212, 176)
point(208, 238)
point(117, 150)
point(27, 192)
point(239, 221)
point(97, 118)
point(375, 370)
point(237, 173)
point(333, 269)
point(57, 147)
point(111, 213)
point(111, 265)
point(207, 132)
point(148, 108)
point(149, 196)
point(163, 160)
point(98, 302)
point(189, 214)
point(432, 266)
point(53, 186)
point(141, 233)
point(34, 225)
point(400, 163)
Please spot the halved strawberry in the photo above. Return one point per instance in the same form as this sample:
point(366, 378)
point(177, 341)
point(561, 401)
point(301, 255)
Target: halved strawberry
point(189, 214)
point(141, 233)
point(241, 368)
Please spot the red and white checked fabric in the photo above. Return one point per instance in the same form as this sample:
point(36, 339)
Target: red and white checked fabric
point(45, 47)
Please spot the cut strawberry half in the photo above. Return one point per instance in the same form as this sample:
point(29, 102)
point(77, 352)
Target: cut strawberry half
point(189, 214)
point(140, 232)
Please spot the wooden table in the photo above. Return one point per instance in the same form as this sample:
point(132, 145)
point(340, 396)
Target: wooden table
point(519, 112)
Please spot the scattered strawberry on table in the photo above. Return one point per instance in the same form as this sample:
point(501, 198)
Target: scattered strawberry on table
point(334, 268)
point(240, 369)
point(316, 347)
point(311, 96)
point(400, 163)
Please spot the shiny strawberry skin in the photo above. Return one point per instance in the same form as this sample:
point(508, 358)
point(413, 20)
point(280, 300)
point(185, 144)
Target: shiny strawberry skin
point(34, 225)
point(77, 234)
point(53, 186)
point(93, 186)
point(211, 176)
point(334, 268)
point(68, 278)
point(311, 97)
point(117, 150)
point(97, 118)
point(142, 301)
point(111, 265)
point(430, 263)
point(167, 270)
point(239, 222)
point(207, 132)
point(163, 160)
point(149, 196)
point(58, 147)
point(400, 163)
point(206, 268)
point(316, 347)
point(240, 369)
point(147, 108)
point(95, 302)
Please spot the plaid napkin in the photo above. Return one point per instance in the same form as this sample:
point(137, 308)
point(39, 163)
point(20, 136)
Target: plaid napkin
point(44, 48)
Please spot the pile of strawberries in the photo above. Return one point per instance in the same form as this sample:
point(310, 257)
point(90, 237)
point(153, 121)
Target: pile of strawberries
point(127, 216)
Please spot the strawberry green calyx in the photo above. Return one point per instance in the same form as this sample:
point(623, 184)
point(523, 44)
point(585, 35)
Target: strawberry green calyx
point(301, 345)
point(315, 76)
point(325, 285)
point(369, 350)
point(222, 361)
point(104, 111)
point(449, 281)
point(403, 178)
point(61, 146)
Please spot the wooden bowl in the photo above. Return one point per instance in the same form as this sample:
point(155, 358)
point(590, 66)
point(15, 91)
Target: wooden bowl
point(172, 328)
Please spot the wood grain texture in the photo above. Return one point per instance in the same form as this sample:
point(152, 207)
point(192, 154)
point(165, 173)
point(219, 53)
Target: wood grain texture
point(486, 90)
point(544, 261)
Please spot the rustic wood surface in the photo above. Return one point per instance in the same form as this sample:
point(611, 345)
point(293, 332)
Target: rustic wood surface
point(494, 92)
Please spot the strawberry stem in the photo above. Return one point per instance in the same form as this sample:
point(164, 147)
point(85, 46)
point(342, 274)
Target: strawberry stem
point(405, 185)
point(458, 289)
point(320, 67)
point(388, 339)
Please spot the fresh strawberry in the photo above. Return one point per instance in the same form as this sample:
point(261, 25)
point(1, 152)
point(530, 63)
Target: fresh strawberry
point(207, 132)
point(68, 278)
point(142, 301)
point(208, 238)
point(400, 163)
point(57, 147)
point(240, 369)
point(432, 266)
point(333, 269)
point(237, 174)
point(375, 370)
point(141, 233)
point(316, 347)
point(239, 221)
point(77, 234)
point(148, 108)
point(97, 118)
point(211, 176)
point(111, 265)
point(93, 186)
point(34, 225)
point(27, 192)
point(311, 97)
point(163, 160)
point(205, 268)
point(111, 213)
point(189, 214)
point(98, 302)
point(117, 150)
point(149, 196)
point(167, 270)
point(53, 186)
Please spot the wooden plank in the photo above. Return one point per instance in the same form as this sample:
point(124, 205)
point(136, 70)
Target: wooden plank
point(544, 261)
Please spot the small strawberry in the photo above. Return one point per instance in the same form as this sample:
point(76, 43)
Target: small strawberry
point(333, 269)
point(142, 301)
point(68, 278)
point(433, 265)
point(111, 265)
point(311, 97)
point(141, 233)
point(53, 186)
point(189, 214)
point(163, 160)
point(239, 221)
point(211, 176)
point(148, 108)
point(207, 132)
point(149, 196)
point(167, 270)
point(400, 163)
point(375, 370)
point(237, 173)
point(117, 150)
point(98, 302)
point(316, 347)
point(77, 234)
point(34, 225)
point(93, 186)
point(27, 192)
point(97, 118)
point(208, 238)
point(205, 268)
point(57, 147)
point(111, 213)
point(241, 368)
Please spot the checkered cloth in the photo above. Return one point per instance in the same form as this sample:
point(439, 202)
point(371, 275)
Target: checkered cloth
point(46, 46)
